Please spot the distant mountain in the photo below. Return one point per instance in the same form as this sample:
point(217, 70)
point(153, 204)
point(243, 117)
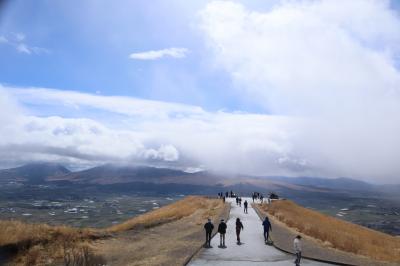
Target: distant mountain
point(328, 183)
point(33, 173)
point(112, 174)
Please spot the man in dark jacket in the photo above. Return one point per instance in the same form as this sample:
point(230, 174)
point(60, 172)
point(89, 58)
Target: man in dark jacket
point(222, 231)
point(245, 206)
point(267, 227)
point(239, 227)
point(209, 227)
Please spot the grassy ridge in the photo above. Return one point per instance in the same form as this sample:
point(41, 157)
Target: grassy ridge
point(167, 214)
point(336, 233)
point(40, 244)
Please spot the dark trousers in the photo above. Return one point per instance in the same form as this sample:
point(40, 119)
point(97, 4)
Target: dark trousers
point(222, 240)
point(266, 235)
point(298, 258)
point(238, 235)
point(208, 238)
point(245, 209)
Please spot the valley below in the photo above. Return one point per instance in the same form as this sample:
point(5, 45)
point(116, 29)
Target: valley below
point(104, 196)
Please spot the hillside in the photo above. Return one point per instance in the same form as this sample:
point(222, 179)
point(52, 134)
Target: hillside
point(33, 173)
point(138, 240)
point(329, 232)
point(112, 174)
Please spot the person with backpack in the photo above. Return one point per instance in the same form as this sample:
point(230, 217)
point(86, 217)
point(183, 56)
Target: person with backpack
point(267, 227)
point(297, 249)
point(239, 227)
point(209, 227)
point(245, 206)
point(222, 231)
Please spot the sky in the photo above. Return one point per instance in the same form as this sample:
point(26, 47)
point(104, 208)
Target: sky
point(268, 87)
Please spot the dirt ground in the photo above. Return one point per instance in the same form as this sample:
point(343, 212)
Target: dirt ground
point(173, 243)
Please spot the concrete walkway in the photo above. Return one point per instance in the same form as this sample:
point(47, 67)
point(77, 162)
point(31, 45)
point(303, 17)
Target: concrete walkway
point(253, 250)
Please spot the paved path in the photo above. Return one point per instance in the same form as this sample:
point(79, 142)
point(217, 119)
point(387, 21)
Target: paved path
point(253, 250)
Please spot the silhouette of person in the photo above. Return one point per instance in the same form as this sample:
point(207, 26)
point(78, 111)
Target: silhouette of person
point(222, 231)
point(209, 227)
point(239, 226)
point(267, 227)
point(223, 199)
point(237, 200)
point(245, 206)
point(240, 202)
point(297, 249)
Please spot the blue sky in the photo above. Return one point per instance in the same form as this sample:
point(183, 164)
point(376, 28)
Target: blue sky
point(258, 87)
point(88, 46)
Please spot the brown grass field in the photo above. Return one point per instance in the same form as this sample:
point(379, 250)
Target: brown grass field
point(167, 236)
point(41, 244)
point(168, 214)
point(336, 233)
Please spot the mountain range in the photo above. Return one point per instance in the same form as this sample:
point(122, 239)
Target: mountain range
point(129, 176)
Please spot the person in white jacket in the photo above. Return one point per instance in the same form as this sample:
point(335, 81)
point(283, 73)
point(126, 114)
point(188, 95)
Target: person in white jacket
point(297, 249)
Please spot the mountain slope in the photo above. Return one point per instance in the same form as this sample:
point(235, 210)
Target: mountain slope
point(33, 173)
point(111, 174)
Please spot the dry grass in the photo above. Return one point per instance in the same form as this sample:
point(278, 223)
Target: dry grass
point(338, 234)
point(41, 244)
point(169, 213)
point(166, 236)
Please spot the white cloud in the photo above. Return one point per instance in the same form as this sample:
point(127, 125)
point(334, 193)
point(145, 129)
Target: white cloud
point(332, 65)
point(22, 48)
point(157, 54)
point(19, 37)
point(17, 41)
point(144, 131)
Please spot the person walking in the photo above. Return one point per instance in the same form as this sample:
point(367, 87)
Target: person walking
point(297, 249)
point(245, 206)
point(222, 231)
point(223, 199)
point(237, 200)
point(239, 227)
point(209, 227)
point(267, 227)
point(240, 202)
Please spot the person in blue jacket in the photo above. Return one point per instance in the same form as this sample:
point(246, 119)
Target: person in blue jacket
point(267, 227)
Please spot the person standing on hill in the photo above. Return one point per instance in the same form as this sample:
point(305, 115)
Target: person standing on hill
point(239, 227)
point(222, 231)
point(267, 227)
point(209, 227)
point(297, 249)
point(245, 206)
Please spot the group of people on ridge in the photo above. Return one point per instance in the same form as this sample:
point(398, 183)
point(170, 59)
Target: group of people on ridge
point(266, 224)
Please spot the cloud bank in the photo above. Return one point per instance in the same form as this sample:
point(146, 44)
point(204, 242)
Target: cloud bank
point(158, 54)
point(132, 130)
point(332, 65)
